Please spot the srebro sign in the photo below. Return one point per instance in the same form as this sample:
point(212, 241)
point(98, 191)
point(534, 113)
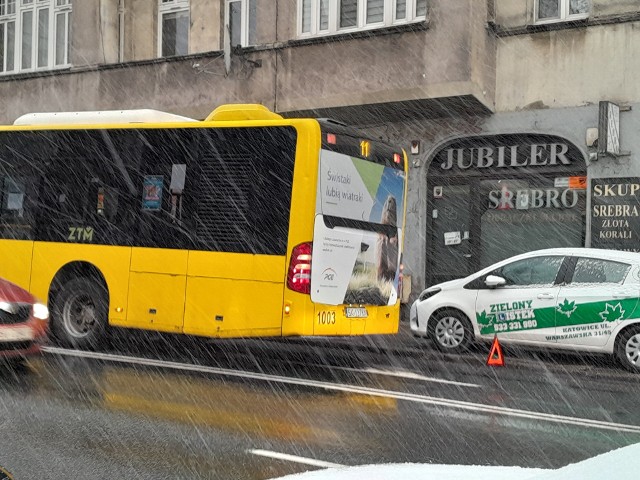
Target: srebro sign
point(507, 153)
point(523, 199)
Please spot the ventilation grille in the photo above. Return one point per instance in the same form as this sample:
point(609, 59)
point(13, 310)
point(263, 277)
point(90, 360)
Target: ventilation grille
point(224, 202)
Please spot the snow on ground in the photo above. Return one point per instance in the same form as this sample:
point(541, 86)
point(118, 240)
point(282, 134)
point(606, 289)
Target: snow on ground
point(620, 464)
point(419, 472)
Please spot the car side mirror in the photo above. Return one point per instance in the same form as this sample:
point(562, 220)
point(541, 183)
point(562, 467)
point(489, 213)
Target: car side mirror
point(493, 281)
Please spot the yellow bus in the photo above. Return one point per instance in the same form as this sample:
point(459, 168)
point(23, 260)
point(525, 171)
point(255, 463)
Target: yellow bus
point(245, 224)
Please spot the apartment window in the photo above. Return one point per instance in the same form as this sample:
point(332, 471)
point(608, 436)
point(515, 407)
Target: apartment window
point(561, 10)
point(240, 21)
point(325, 17)
point(173, 37)
point(34, 34)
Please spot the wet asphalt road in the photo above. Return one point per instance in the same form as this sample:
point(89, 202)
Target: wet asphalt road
point(201, 414)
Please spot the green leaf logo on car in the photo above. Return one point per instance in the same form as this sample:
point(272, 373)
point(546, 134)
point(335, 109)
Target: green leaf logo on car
point(483, 319)
point(567, 307)
point(612, 313)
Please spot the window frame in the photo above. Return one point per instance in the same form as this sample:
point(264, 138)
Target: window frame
point(560, 274)
point(245, 22)
point(64, 10)
point(564, 13)
point(389, 17)
point(14, 12)
point(166, 7)
point(571, 274)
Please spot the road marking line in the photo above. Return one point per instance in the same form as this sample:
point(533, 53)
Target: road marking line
point(341, 387)
point(402, 374)
point(295, 458)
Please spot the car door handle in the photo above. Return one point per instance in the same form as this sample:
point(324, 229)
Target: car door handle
point(546, 296)
point(622, 295)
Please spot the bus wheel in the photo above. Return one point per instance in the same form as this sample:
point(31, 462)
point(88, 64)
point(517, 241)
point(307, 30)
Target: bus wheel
point(628, 348)
point(450, 331)
point(80, 313)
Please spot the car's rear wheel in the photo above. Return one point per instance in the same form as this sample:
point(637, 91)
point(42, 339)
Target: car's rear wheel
point(450, 331)
point(80, 313)
point(628, 348)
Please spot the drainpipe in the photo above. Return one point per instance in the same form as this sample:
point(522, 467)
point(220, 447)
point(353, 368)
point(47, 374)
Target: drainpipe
point(121, 31)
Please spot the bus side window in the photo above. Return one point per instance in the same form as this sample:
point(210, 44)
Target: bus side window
point(165, 216)
point(18, 207)
point(110, 213)
point(104, 202)
point(63, 200)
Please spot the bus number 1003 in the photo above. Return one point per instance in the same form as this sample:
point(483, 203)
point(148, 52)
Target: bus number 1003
point(326, 318)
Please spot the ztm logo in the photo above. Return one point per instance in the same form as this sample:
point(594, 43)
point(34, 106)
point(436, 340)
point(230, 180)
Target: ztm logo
point(329, 274)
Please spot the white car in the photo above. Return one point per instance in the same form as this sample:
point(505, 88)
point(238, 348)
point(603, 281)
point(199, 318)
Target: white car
point(569, 298)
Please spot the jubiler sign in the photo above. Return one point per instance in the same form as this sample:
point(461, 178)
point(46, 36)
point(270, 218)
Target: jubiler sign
point(615, 213)
point(511, 156)
point(506, 152)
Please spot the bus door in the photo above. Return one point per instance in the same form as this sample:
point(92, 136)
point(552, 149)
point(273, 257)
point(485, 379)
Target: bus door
point(157, 281)
point(356, 244)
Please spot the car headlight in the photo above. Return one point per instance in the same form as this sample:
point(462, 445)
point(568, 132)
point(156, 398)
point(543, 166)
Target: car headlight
point(428, 294)
point(40, 311)
point(8, 307)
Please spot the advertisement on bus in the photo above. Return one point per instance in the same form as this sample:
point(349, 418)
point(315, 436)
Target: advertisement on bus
point(357, 235)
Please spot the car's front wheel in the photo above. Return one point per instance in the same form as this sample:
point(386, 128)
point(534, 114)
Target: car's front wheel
point(450, 331)
point(628, 348)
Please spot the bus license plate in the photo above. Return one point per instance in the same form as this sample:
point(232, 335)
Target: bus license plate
point(356, 312)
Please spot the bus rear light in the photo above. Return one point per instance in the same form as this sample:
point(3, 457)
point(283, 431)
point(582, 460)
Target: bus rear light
point(331, 138)
point(397, 158)
point(299, 274)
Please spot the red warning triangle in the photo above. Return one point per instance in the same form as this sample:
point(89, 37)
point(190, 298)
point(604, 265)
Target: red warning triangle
point(496, 358)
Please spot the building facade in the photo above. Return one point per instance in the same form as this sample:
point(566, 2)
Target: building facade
point(396, 57)
point(497, 100)
point(531, 174)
